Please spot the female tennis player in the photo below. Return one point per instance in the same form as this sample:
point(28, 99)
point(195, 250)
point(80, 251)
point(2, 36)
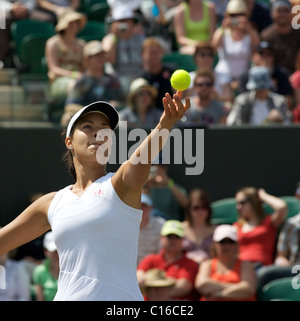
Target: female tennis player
point(95, 222)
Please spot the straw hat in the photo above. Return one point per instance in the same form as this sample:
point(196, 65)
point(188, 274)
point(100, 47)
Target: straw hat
point(138, 84)
point(68, 16)
point(237, 6)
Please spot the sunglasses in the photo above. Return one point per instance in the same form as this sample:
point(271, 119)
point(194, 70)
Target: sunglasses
point(242, 202)
point(197, 208)
point(173, 237)
point(227, 241)
point(143, 92)
point(202, 84)
point(235, 15)
point(286, 10)
point(205, 54)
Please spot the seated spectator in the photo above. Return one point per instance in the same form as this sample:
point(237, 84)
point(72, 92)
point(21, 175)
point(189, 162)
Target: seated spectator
point(225, 277)
point(169, 197)
point(204, 60)
point(45, 276)
point(94, 84)
point(173, 261)
point(124, 46)
point(150, 227)
point(141, 110)
point(287, 254)
point(53, 8)
point(264, 56)
point(198, 230)
point(256, 231)
point(234, 42)
point(205, 110)
point(64, 54)
point(259, 105)
point(282, 37)
point(14, 282)
point(157, 73)
point(157, 287)
point(194, 21)
point(14, 11)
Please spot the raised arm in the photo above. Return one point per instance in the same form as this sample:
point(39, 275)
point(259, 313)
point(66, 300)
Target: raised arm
point(133, 174)
point(30, 224)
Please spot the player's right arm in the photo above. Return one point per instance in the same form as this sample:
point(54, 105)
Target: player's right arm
point(30, 224)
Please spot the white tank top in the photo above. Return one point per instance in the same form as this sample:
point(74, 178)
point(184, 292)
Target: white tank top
point(234, 56)
point(96, 236)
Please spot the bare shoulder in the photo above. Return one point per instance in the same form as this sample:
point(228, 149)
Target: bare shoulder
point(42, 204)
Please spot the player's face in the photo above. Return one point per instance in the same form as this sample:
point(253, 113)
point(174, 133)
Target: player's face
point(90, 133)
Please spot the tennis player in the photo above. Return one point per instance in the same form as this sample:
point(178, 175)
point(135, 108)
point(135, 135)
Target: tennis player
point(95, 222)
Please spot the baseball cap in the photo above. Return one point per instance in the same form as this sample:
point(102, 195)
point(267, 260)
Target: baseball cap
point(146, 199)
point(92, 48)
point(224, 231)
point(264, 45)
point(280, 3)
point(49, 243)
point(172, 227)
point(98, 106)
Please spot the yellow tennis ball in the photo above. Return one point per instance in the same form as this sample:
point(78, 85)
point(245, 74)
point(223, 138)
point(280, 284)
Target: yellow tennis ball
point(180, 79)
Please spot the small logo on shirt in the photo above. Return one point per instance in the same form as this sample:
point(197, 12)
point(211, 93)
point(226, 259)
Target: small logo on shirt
point(98, 193)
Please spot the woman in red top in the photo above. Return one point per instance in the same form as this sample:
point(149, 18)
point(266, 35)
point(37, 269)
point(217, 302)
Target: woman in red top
point(257, 231)
point(225, 277)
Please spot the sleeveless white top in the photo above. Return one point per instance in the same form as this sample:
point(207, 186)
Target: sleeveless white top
point(96, 236)
point(234, 56)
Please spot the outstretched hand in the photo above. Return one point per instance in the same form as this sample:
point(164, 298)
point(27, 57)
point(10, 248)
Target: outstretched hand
point(174, 109)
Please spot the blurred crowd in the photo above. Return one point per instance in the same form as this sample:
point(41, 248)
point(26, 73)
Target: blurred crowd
point(244, 57)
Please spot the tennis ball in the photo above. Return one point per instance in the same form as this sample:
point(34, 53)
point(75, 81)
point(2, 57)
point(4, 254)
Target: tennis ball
point(180, 79)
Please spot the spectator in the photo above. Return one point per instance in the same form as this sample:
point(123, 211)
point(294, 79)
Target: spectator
point(259, 105)
point(173, 261)
point(204, 59)
point(194, 21)
point(282, 37)
point(64, 54)
point(198, 230)
point(16, 285)
point(205, 110)
point(157, 287)
point(14, 11)
point(264, 56)
point(167, 196)
point(225, 277)
point(150, 227)
point(95, 84)
point(287, 256)
point(295, 83)
point(141, 110)
point(257, 231)
point(124, 45)
point(53, 8)
point(45, 276)
point(157, 74)
point(260, 17)
point(234, 42)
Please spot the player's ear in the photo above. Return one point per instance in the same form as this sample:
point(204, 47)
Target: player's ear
point(68, 143)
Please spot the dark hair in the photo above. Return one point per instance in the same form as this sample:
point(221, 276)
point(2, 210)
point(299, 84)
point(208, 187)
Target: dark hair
point(205, 73)
point(201, 195)
point(68, 156)
point(251, 194)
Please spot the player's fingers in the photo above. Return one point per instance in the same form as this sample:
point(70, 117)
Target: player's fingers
point(166, 106)
point(179, 93)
